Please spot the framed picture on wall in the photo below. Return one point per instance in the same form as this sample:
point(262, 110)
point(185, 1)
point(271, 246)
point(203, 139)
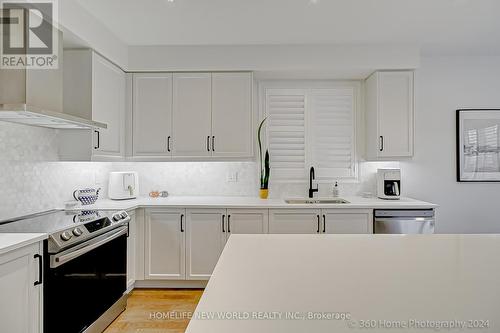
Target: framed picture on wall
point(478, 145)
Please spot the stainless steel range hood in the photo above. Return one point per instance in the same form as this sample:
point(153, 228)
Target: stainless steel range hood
point(34, 116)
point(35, 97)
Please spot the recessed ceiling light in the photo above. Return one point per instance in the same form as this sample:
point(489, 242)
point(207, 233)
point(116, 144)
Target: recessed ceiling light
point(313, 2)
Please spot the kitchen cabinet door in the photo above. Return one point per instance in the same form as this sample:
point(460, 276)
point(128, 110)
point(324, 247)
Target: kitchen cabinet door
point(192, 115)
point(232, 114)
point(108, 106)
point(131, 251)
point(152, 115)
point(247, 221)
point(205, 241)
point(165, 244)
point(346, 221)
point(390, 115)
point(20, 304)
point(294, 221)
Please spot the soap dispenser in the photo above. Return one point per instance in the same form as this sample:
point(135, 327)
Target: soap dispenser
point(336, 190)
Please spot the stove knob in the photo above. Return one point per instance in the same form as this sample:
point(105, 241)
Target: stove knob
point(117, 217)
point(66, 236)
point(124, 215)
point(77, 232)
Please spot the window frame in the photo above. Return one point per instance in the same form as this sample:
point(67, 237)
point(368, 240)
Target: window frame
point(309, 86)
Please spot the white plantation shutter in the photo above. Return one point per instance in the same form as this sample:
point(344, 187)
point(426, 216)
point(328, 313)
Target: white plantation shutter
point(285, 109)
point(332, 136)
point(311, 127)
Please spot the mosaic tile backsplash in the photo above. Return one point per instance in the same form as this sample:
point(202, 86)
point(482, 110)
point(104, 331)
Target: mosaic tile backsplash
point(33, 180)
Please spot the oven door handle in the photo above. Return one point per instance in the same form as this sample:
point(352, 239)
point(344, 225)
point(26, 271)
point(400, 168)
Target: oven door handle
point(62, 258)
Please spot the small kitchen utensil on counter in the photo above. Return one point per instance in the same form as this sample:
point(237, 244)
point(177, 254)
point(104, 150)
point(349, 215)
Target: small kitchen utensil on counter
point(123, 185)
point(158, 194)
point(87, 196)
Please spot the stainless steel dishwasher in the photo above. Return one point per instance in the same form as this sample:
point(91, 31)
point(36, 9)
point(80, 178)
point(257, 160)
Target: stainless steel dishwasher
point(405, 221)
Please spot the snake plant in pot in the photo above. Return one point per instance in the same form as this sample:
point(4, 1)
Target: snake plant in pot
point(264, 167)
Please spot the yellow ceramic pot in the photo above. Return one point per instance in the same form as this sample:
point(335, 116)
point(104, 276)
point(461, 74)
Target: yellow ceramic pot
point(263, 193)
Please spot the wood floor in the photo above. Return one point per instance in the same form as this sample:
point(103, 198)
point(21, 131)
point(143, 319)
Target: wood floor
point(157, 311)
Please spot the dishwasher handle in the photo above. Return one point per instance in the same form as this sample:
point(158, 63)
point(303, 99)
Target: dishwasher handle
point(404, 225)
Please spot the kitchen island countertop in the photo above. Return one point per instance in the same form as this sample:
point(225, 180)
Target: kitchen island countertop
point(341, 283)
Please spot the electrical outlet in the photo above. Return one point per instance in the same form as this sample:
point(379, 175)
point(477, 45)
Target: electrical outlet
point(232, 177)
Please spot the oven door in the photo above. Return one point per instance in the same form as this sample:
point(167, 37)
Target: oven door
point(85, 281)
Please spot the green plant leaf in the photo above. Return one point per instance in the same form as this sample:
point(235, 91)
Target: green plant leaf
point(262, 171)
point(267, 170)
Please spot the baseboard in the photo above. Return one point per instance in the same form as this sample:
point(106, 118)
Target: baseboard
point(176, 284)
point(130, 287)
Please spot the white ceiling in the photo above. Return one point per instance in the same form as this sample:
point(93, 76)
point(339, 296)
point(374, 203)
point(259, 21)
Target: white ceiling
point(430, 23)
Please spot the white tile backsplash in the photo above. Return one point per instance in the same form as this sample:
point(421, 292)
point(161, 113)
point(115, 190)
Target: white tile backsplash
point(32, 180)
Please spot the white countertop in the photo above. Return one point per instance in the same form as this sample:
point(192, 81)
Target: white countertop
point(10, 242)
point(391, 279)
point(253, 202)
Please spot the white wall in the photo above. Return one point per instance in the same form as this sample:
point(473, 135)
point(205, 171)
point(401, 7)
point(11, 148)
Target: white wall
point(353, 60)
point(445, 84)
point(82, 29)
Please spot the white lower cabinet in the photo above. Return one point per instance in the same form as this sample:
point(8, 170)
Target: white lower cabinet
point(21, 301)
point(185, 244)
point(131, 250)
point(356, 221)
point(165, 240)
point(247, 221)
point(320, 221)
point(205, 241)
point(294, 221)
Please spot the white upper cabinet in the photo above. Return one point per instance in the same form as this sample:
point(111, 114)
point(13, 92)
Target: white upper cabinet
point(94, 88)
point(232, 115)
point(108, 106)
point(152, 115)
point(192, 115)
point(389, 115)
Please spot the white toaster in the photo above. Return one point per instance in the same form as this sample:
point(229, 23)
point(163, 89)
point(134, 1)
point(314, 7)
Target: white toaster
point(123, 185)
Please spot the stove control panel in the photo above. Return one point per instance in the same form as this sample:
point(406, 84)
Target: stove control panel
point(88, 224)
